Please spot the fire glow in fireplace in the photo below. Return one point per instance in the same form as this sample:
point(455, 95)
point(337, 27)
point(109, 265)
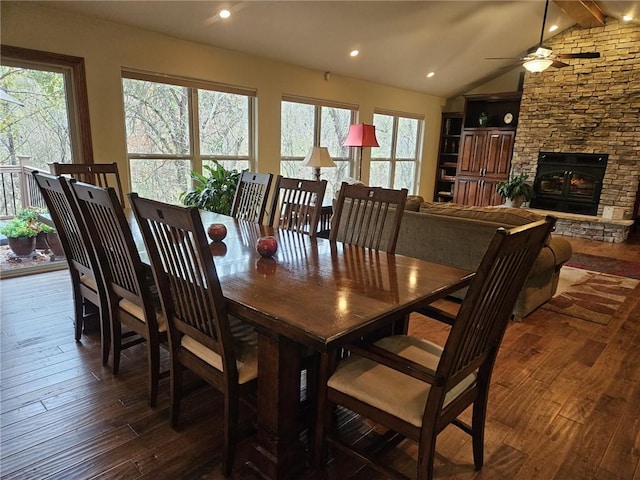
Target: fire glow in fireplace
point(569, 182)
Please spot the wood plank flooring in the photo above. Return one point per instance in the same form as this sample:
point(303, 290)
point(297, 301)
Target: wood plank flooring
point(564, 401)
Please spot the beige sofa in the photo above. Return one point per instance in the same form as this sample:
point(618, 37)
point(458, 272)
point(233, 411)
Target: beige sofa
point(459, 235)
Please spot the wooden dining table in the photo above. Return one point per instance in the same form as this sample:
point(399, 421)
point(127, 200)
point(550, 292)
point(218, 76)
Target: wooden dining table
point(313, 295)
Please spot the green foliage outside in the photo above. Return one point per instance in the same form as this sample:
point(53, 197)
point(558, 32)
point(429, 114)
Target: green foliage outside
point(25, 224)
point(516, 186)
point(214, 192)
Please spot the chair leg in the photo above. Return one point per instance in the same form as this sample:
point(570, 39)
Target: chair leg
point(426, 455)
point(105, 334)
point(116, 343)
point(175, 389)
point(477, 429)
point(153, 371)
point(230, 427)
point(78, 314)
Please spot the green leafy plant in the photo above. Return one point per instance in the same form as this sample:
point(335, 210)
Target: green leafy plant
point(516, 186)
point(213, 192)
point(25, 224)
point(19, 228)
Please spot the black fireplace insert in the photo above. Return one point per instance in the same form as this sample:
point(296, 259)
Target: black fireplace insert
point(569, 182)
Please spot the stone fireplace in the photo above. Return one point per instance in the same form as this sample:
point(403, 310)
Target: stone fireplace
point(569, 182)
point(592, 106)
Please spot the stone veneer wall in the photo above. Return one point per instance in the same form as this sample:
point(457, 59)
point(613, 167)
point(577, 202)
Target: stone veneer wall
point(592, 106)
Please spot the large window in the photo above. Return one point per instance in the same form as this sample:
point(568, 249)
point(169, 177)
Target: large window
point(43, 109)
point(395, 163)
point(306, 124)
point(174, 128)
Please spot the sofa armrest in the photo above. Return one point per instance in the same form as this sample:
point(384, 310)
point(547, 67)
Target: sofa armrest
point(561, 249)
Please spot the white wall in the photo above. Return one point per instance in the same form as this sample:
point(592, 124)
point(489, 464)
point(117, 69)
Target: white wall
point(108, 47)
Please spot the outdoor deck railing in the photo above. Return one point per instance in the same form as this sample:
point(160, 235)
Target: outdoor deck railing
point(19, 190)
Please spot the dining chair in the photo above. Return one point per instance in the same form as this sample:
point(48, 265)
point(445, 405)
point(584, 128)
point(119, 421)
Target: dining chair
point(367, 216)
point(100, 174)
point(130, 290)
point(252, 194)
point(89, 295)
point(416, 388)
point(202, 336)
point(296, 204)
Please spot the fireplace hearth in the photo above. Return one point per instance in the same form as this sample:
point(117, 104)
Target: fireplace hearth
point(569, 182)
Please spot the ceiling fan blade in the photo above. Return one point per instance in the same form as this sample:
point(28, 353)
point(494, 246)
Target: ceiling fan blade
point(559, 64)
point(579, 55)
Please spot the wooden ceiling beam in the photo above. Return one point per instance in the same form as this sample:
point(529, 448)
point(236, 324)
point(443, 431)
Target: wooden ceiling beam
point(586, 12)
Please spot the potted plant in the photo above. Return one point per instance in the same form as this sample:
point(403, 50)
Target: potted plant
point(22, 236)
point(515, 190)
point(214, 192)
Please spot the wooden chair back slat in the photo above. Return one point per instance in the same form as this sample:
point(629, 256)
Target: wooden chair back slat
point(296, 204)
point(365, 216)
point(184, 270)
point(113, 241)
point(252, 194)
point(486, 309)
point(100, 174)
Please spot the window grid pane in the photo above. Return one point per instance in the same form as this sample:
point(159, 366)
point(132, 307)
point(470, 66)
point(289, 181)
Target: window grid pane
point(158, 141)
point(224, 123)
point(157, 117)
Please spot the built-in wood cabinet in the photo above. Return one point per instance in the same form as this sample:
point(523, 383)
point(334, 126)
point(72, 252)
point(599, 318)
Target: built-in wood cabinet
point(450, 130)
point(486, 147)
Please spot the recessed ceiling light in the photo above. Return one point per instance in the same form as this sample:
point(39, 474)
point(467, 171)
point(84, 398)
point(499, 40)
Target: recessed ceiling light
point(553, 28)
point(354, 53)
point(627, 18)
point(430, 74)
point(224, 13)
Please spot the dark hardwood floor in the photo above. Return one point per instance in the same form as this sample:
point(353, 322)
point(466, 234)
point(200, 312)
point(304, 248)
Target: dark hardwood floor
point(564, 401)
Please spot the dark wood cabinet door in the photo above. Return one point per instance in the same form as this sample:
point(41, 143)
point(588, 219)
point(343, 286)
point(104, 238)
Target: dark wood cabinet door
point(472, 152)
point(477, 191)
point(497, 160)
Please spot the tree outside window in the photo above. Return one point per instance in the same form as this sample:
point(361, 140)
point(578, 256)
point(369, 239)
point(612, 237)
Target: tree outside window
point(38, 126)
point(173, 129)
point(394, 164)
point(305, 125)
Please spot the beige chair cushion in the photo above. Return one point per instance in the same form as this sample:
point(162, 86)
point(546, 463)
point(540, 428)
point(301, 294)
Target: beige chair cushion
point(89, 282)
point(136, 311)
point(391, 391)
point(246, 349)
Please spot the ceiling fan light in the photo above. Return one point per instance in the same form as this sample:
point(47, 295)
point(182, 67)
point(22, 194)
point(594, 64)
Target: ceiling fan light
point(537, 65)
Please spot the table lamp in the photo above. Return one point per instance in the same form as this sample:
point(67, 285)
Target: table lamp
point(318, 157)
point(361, 135)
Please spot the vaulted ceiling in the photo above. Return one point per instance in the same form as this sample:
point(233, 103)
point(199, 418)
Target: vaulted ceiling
point(400, 42)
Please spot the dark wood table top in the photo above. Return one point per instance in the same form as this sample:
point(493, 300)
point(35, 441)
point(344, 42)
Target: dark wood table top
point(319, 293)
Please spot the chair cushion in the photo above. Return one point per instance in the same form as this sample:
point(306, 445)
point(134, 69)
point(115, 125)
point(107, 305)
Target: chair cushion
point(246, 349)
point(89, 282)
point(389, 390)
point(136, 310)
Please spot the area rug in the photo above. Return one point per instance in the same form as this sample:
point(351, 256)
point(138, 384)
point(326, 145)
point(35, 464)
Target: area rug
point(591, 296)
point(612, 266)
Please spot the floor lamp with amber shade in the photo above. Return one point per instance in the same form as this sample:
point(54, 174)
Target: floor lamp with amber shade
point(361, 135)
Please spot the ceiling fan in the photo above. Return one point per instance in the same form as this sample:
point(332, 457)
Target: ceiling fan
point(539, 58)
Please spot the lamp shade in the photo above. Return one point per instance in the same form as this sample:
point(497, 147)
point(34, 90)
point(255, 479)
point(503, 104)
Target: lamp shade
point(537, 65)
point(318, 157)
point(361, 135)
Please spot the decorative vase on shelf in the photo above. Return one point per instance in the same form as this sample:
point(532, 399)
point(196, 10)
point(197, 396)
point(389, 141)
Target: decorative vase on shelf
point(483, 119)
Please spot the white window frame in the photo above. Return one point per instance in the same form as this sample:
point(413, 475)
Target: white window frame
point(393, 159)
point(194, 155)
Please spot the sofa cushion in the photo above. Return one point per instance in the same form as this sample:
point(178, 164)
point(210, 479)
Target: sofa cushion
point(413, 203)
point(505, 216)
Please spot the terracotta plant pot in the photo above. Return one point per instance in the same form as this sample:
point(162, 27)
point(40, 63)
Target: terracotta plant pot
point(22, 246)
point(41, 241)
point(514, 203)
point(55, 245)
